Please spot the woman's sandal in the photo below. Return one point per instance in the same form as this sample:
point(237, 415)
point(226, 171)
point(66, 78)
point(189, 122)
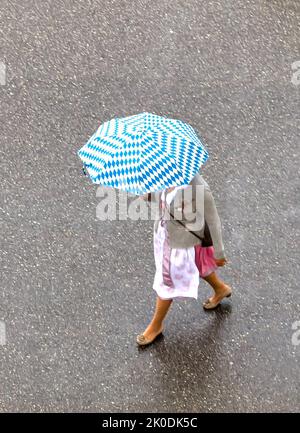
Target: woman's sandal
point(209, 305)
point(143, 341)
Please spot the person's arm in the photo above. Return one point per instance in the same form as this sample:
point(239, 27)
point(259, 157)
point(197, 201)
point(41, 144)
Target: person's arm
point(153, 202)
point(151, 197)
point(212, 218)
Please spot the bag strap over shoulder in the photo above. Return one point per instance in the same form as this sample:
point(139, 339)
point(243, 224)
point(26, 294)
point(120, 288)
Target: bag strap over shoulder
point(206, 241)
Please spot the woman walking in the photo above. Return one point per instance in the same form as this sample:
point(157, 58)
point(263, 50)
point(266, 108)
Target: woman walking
point(144, 153)
point(181, 256)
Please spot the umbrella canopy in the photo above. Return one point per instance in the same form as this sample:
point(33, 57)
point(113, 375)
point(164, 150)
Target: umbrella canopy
point(143, 153)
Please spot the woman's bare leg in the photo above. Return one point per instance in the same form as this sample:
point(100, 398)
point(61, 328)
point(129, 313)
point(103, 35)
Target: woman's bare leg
point(220, 288)
point(156, 324)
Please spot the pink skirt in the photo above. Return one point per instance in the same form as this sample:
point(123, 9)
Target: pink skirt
point(204, 259)
point(178, 269)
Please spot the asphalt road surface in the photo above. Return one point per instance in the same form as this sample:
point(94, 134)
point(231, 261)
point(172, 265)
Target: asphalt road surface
point(75, 291)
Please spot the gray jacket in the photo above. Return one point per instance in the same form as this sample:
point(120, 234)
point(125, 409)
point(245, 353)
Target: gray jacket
point(186, 214)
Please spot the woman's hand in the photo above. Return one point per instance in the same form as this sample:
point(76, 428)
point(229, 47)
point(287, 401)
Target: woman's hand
point(221, 262)
point(146, 197)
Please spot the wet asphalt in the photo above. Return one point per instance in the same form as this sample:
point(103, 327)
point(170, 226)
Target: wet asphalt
point(75, 291)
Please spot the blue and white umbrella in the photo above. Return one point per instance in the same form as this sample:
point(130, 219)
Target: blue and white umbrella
point(143, 153)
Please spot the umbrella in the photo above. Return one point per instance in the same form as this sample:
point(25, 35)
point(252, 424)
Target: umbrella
point(143, 153)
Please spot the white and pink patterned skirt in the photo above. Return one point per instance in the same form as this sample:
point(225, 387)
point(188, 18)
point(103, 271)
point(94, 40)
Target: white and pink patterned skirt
point(178, 269)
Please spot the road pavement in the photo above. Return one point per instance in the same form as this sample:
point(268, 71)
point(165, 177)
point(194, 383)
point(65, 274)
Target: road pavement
point(75, 291)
